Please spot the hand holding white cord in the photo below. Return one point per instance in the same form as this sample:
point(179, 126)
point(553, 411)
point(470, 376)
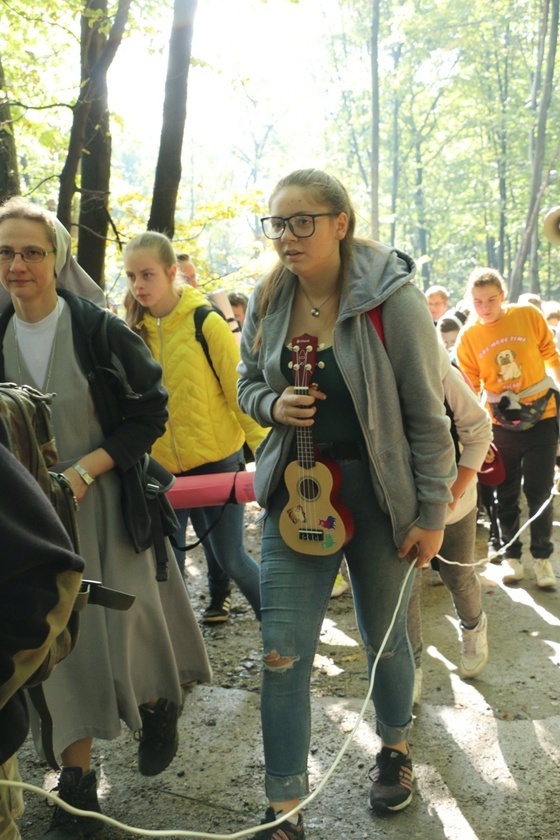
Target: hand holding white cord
point(420, 545)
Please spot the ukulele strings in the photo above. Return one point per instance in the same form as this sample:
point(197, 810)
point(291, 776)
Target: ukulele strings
point(306, 457)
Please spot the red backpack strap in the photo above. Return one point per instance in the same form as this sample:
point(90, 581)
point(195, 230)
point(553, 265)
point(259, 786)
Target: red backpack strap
point(377, 321)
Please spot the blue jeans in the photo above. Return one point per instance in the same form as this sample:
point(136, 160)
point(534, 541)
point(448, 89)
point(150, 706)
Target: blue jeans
point(295, 593)
point(225, 552)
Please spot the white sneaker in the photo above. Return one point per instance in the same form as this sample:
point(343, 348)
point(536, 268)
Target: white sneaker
point(513, 570)
point(340, 586)
point(474, 648)
point(546, 579)
point(417, 692)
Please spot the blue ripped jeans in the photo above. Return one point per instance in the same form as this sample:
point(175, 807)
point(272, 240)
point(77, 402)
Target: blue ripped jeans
point(224, 548)
point(295, 593)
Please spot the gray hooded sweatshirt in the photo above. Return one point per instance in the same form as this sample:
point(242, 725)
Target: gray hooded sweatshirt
point(396, 387)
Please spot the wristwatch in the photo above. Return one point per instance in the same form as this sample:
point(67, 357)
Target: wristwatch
point(84, 475)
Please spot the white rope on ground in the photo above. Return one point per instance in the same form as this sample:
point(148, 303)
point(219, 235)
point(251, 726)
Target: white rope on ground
point(554, 492)
point(246, 831)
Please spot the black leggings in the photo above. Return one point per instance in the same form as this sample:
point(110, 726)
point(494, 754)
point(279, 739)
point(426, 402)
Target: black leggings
point(529, 456)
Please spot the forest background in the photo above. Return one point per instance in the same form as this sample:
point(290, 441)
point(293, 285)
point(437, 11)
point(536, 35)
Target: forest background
point(441, 117)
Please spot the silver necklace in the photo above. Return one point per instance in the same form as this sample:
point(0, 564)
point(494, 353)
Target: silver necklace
point(53, 348)
point(316, 310)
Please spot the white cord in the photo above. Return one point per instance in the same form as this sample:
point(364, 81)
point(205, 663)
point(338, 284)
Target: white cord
point(245, 832)
point(504, 547)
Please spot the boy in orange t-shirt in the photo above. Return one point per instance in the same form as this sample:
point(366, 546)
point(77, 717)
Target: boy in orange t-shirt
point(505, 353)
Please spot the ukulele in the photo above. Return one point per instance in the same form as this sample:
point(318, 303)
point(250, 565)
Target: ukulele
point(314, 521)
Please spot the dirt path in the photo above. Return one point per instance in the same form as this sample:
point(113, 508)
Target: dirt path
point(486, 751)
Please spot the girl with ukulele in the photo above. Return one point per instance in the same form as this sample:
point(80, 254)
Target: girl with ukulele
point(375, 408)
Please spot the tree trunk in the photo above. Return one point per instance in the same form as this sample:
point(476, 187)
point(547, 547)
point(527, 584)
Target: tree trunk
point(9, 176)
point(535, 91)
point(397, 50)
point(502, 170)
point(534, 283)
point(420, 221)
point(94, 192)
point(95, 158)
point(93, 82)
point(536, 191)
point(168, 169)
point(375, 119)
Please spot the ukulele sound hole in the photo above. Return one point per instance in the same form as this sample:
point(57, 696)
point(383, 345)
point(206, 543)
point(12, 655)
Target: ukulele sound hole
point(309, 489)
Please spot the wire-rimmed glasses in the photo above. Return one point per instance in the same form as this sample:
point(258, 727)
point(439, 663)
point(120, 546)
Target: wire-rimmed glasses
point(28, 255)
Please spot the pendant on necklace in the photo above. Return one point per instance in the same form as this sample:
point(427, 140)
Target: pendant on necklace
point(315, 312)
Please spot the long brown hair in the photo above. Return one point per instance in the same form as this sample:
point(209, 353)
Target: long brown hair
point(134, 311)
point(325, 189)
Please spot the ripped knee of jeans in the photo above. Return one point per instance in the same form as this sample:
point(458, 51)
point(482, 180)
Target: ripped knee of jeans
point(387, 654)
point(274, 662)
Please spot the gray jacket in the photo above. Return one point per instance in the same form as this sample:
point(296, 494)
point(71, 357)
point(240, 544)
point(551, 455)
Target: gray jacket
point(396, 388)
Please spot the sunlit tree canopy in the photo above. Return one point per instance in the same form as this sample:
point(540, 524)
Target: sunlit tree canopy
point(466, 152)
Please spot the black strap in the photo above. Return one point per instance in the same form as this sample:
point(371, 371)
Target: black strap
point(158, 536)
point(343, 450)
point(231, 500)
point(232, 321)
point(453, 429)
point(200, 315)
point(37, 697)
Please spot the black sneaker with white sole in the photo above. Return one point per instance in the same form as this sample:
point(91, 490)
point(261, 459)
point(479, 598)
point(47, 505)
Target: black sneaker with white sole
point(393, 780)
point(284, 831)
point(218, 609)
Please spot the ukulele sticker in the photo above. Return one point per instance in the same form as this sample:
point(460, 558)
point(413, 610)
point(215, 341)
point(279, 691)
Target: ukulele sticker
point(314, 512)
point(328, 543)
point(297, 514)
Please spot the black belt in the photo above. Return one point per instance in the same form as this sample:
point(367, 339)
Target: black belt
point(351, 450)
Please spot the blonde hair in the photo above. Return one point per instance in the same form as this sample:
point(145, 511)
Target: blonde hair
point(486, 277)
point(18, 207)
point(158, 242)
point(325, 189)
point(440, 291)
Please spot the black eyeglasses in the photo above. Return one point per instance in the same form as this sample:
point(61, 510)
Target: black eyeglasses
point(302, 225)
point(28, 255)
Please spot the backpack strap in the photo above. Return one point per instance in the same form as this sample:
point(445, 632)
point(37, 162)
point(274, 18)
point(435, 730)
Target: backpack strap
point(200, 315)
point(376, 319)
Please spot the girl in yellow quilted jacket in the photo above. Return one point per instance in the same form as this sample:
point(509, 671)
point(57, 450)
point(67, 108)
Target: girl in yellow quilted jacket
point(206, 429)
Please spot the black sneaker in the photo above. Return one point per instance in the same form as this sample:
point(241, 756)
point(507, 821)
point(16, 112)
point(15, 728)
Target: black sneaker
point(158, 737)
point(285, 831)
point(494, 547)
point(80, 790)
point(219, 608)
point(392, 779)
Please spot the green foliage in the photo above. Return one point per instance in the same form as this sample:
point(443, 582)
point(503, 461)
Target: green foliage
point(457, 112)
point(458, 76)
